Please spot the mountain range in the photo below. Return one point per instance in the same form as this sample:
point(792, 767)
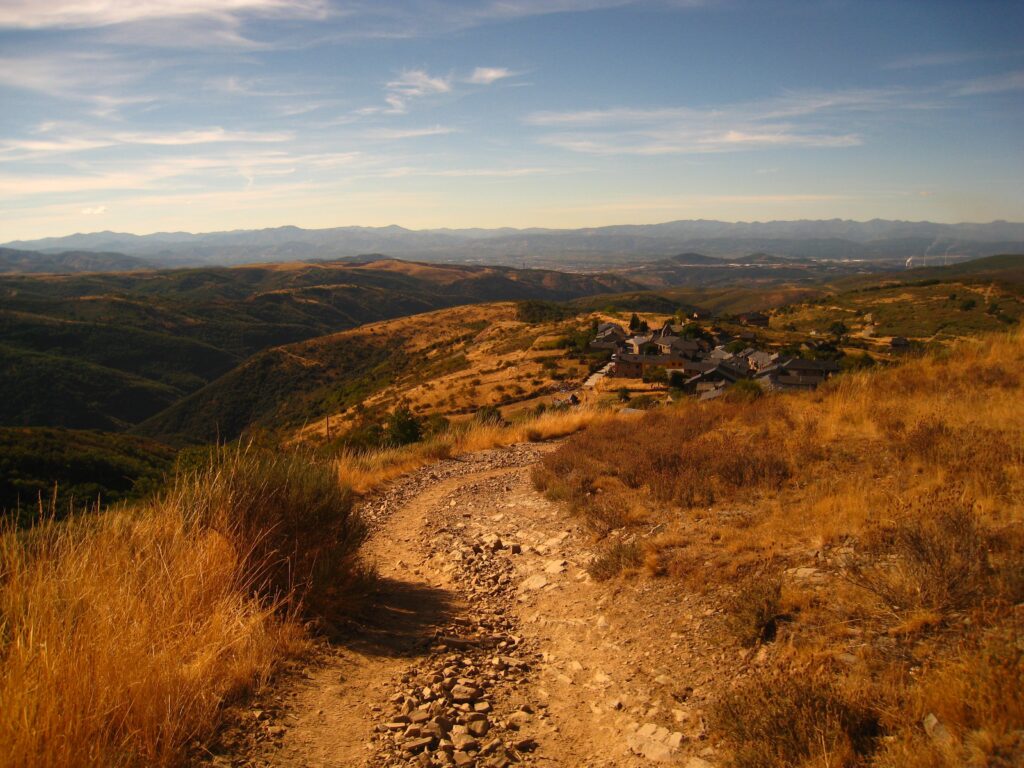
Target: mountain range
point(593, 247)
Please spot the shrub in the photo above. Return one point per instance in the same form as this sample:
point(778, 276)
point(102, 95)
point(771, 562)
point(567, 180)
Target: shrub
point(753, 610)
point(125, 632)
point(744, 390)
point(933, 555)
point(793, 718)
point(488, 414)
point(403, 428)
point(614, 559)
point(656, 375)
point(286, 515)
point(535, 311)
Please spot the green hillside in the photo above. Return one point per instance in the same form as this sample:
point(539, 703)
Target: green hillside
point(82, 465)
point(110, 350)
point(41, 389)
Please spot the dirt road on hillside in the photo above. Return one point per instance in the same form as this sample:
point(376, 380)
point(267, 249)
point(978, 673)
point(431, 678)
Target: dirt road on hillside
point(489, 645)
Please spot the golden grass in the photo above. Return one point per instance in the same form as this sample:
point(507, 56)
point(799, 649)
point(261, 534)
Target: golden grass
point(902, 489)
point(123, 632)
point(365, 471)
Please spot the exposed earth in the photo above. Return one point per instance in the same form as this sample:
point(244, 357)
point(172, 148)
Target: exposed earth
point(488, 644)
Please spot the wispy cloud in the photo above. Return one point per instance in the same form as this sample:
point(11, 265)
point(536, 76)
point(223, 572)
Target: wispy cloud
point(95, 210)
point(409, 85)
point(40, 14)
point(488, 75)
point(947, 58)
point(797, 120)
point(36, 147)
point(215, 135)
point(407, 133)
point(101, 79)
point(414, 83)
point(1007, 81)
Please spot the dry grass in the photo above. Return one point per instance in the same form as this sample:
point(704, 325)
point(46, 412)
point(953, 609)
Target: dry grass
point(754, 610)
point(786, 718)
point(124, 632)
point(364, 471)
point(614, 559)
point(898, 494)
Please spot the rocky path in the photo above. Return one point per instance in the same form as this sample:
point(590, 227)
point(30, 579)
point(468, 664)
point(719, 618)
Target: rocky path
point(489, 645)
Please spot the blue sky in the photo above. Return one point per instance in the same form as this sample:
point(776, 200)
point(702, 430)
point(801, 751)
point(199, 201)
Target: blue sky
point(201, 115)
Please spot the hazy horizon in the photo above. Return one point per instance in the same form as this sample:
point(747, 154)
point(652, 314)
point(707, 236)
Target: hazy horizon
point(220, 115)
point(611, 224)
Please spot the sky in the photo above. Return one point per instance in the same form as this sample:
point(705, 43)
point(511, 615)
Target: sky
point(208, 115)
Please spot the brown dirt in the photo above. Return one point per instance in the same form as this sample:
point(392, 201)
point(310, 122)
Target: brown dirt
point(596, 675)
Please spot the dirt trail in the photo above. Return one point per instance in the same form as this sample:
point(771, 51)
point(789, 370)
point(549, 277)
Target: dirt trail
point(489, 645)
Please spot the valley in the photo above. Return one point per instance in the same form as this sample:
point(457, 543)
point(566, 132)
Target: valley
point(534, 552)
point(511, 384)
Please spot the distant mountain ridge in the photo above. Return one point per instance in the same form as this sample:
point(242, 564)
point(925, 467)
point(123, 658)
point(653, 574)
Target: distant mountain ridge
point(830, 239)
point(34, 262)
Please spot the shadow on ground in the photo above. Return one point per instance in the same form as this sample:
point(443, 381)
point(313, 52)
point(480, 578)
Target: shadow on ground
point(398, 619)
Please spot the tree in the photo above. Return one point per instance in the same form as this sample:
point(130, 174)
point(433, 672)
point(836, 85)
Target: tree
point(656, 375)
point(634, 322)
point(967, 305)
point(623, 395)
point(838, 328)
point(403, 427)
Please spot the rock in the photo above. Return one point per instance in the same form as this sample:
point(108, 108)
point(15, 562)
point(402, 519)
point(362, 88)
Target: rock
point(478, 728)
point(417, 744)
point(276, 731)
point(465, 742)
point(517, 720)
point(555, 566)
point(525, 745)
point(464, 694)
point(461, 758)
point(535, 582)
point(697, 762)
point(654, 742)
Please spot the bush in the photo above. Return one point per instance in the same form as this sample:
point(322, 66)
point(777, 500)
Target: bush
point(967, 305)
point(656, 375)
point(744, 390)
point(489, 414)
point(535, 311)
point(793, 719)
point(614, 559)
point(403, 428)
point(285, 513)
point(125, 632)
point(752, 612)
point(934, 555)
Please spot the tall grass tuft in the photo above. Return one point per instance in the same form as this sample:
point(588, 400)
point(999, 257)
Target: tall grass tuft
point(123, 633)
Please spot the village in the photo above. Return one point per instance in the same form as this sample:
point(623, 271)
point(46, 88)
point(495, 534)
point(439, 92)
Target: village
point(706, 361)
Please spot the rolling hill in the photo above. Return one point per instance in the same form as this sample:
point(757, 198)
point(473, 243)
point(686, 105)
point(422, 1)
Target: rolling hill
point(110, 350)
point(448, 362)
point(19, 261)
